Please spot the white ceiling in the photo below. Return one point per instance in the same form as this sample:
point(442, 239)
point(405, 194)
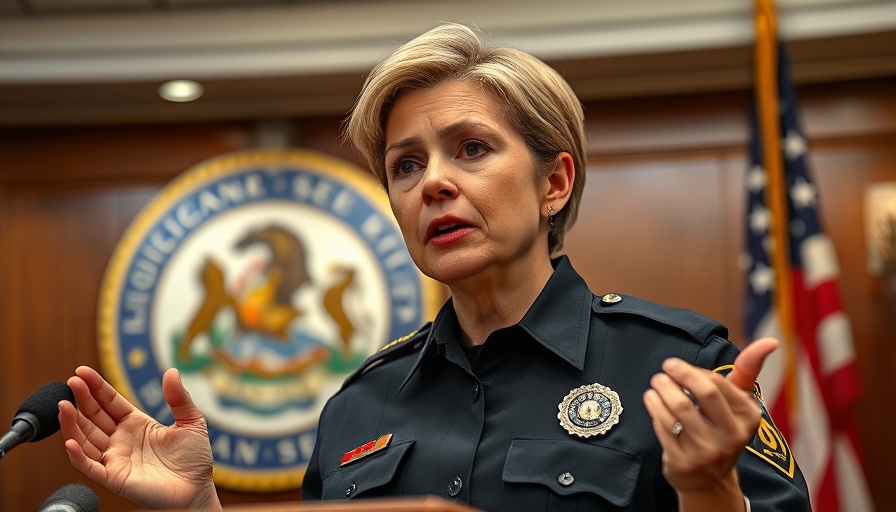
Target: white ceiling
point(44, 41)
point(76, 60)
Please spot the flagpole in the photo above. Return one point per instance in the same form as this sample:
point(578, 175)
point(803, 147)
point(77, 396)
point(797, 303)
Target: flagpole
point(766, 68)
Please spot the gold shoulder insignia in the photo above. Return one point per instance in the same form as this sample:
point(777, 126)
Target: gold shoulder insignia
point(768, 444)
point(384, 354)
point(404, 338)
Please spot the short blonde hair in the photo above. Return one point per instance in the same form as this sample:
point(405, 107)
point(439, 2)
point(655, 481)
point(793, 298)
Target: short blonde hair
point(537, 100)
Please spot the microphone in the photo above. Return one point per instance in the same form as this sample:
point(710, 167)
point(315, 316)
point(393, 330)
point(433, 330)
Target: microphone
point(72, 498)
point(37, 418)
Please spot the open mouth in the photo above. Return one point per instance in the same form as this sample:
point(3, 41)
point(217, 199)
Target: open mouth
point(443, 227)
point(447, 228)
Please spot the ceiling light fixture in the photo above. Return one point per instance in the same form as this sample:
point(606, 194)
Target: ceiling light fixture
point(181, 91)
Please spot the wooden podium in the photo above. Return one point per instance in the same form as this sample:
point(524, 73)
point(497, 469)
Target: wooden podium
point(414, 504)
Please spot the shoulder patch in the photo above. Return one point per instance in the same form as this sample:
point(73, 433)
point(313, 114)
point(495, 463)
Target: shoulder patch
point(698, 326)
point(392, 350)
point(768, 444)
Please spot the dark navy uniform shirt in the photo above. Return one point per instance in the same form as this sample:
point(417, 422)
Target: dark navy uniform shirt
point(484, 430)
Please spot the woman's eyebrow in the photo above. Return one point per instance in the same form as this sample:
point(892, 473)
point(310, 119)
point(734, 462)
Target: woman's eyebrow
point(446, 131)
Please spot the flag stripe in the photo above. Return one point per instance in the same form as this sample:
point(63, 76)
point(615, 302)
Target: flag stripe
point(819, 260)
point(834, 353)
point(854, 494)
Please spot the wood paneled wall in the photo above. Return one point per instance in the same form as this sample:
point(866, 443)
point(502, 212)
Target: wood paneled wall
point(662, 217)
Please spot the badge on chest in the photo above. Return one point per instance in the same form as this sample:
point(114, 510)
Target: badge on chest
point(589, 410)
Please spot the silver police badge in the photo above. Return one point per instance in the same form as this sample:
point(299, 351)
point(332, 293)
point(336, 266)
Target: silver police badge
point(589, 410)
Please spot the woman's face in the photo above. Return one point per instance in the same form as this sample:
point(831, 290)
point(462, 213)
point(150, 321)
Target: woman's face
point(462, 184)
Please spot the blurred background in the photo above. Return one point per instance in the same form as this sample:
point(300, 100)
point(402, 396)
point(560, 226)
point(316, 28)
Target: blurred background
point(86, 140)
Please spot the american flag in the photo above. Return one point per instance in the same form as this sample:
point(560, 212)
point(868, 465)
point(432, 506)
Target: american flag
point(810, 383)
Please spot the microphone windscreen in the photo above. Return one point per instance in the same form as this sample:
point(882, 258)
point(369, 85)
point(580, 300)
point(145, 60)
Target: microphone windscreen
point(44, 404)
point(77, 497)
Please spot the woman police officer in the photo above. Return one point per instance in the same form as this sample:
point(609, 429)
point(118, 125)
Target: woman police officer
point(527, 392)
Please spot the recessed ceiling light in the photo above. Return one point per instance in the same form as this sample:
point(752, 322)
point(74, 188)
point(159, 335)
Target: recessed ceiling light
point(181, 90)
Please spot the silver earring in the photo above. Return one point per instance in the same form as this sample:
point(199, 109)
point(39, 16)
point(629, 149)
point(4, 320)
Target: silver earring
point(551, 215)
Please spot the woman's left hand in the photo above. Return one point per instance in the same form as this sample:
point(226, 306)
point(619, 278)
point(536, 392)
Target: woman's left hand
point(703, 434)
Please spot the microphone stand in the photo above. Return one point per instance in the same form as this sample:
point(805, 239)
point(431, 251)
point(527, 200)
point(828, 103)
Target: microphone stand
point(20, 432)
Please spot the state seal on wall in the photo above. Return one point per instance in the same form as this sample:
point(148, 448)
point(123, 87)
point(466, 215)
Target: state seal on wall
point(265, 277)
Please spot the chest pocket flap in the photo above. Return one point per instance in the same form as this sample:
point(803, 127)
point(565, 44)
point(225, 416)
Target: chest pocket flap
point(568, 468)
point(366, 474)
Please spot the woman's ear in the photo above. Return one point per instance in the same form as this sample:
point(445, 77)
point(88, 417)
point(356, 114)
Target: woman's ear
point(560, 182)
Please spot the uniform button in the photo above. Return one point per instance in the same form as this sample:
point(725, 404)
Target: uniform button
point(350, 490)
point(455, 486)
point(610, 298)
point(566, 479)
point(475, 392)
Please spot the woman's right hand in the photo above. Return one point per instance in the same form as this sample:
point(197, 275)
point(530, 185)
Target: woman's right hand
point(154, 466)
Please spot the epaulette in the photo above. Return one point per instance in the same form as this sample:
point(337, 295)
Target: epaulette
point(392, 350)
point(700, 328)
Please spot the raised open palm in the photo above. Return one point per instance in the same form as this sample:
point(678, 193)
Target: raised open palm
point(153, 465)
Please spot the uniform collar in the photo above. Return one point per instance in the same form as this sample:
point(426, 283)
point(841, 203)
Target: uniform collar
point(559, 320)
point(560, 317)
